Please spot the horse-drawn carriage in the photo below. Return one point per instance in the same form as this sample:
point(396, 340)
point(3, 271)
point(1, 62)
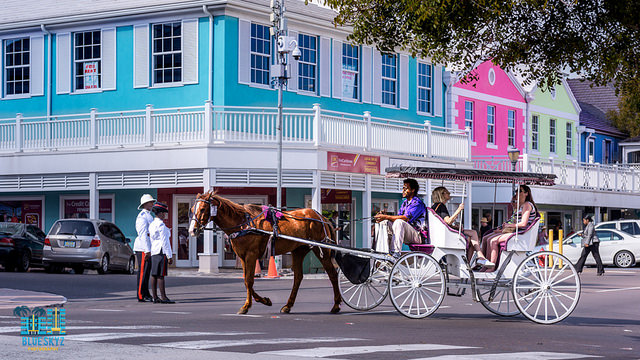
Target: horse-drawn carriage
point(543, 286)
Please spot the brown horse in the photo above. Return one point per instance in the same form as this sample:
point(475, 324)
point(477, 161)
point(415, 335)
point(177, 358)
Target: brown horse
point(231, 218)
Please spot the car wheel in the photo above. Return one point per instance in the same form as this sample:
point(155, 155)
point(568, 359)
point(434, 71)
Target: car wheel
point(79, 269)
point(624, 259)
point(104, 265)
point(24, 262)
point(131, 268)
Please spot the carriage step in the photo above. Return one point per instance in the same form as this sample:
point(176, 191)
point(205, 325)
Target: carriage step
point(458, 293)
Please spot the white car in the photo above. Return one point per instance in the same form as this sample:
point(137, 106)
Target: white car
point(629, 226)
point(616, 248)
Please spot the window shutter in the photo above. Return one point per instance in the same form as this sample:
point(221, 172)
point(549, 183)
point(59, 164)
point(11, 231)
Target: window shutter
point(377, 77)
point(437, 91)
point(63, 63)
point(109, 59)
point(244, 51)
point(37, 66)
point(292, 84)
point(404, 82)
point(325, 67)
point(190, 51)
point(366, 74)
point(2, 86)
point(337, 69)
point(141, 56)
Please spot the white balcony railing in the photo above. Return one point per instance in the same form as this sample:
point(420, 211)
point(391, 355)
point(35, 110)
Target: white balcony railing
point(227, 125)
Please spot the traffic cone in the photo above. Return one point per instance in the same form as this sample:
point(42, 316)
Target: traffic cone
point(258, 272)
point(273, 272)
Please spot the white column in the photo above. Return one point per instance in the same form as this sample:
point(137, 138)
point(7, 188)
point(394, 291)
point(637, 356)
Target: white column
point(316, 193)
point(94, 196)
point(366, 212)
point(208, 260)
point(427, 191)
point(596, 217)
point(93, 129)
point(467, 207)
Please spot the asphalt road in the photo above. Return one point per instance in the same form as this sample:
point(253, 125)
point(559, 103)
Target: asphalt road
point(105, 321)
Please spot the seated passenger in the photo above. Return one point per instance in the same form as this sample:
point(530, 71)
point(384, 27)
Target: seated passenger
point(522, 218)
point(406, 226)
point(440, 196)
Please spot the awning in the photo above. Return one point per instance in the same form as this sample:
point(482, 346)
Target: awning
point(508, 177)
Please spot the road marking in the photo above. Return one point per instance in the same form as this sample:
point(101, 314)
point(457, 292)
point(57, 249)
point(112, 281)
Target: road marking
point(621, 289)
point(109, 310)
point(121, 335)
point(370, 312)
point(509, 356)
point(321, 352)
point(10, 329)
point(242, 315)
point(211, 344)
point(171, 312)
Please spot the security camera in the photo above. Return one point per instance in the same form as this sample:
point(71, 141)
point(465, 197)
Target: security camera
point(296, 53)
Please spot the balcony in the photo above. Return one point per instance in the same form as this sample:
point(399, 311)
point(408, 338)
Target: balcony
point(220, 126)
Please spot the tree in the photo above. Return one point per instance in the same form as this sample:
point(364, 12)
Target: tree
point(627, 118)
point(539, 39)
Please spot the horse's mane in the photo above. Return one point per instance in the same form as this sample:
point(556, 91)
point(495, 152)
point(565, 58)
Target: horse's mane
point(232, 208)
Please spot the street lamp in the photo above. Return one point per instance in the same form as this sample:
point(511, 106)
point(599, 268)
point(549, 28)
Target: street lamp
point(514, 155)
point(280, 74)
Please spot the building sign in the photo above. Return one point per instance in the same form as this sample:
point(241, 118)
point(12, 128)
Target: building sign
point(354, 163)
point(333, 196)
point(349, 84)
point(22, 211)
point(79, 209)
point(91, 75)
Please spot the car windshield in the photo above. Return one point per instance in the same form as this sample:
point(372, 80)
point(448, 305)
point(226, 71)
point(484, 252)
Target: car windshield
point(10, 229)
point(71, 227)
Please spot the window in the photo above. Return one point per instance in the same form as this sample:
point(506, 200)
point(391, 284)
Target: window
point(307, 63)
point(534, 132)
point(569, 139)
point(607, 226)
point(552, 135)
point(389, 79)
point(72, 227)
point(468, 117)
point(87, 60)
point(606, 152)
point(511, 127)
point(630, 227)
point(591, 149)
point(350, 69)
point(607, 236)
point(425, 80)
point(17, 66)
point(167, 53)
point(491, 124)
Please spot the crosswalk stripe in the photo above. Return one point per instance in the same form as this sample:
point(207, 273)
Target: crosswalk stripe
point(10, 329)
point(212, 344)
point(513, 355)
point(106, 310)
point(321, 352)
point(171, 312)
point(121, 335)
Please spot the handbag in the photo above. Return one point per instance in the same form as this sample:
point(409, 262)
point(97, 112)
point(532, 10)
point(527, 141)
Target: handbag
point(508, 230)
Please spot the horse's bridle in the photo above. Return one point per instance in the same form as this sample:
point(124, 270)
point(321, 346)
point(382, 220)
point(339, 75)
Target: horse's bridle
point(192, 216)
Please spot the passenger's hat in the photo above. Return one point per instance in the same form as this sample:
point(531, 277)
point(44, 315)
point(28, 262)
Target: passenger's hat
point(484, 219)
point(145, 199)
point(159, 207)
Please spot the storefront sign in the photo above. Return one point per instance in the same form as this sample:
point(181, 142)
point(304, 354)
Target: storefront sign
point(333, 196)
point(79, 209)
point(91, 75)
point(354, 163)
point(22, 211)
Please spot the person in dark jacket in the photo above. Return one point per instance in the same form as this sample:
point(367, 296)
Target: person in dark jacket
point(590, 244)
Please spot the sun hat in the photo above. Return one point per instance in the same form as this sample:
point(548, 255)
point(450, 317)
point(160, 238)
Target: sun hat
point(484, 219)
point(145, 199)
point(159, 207)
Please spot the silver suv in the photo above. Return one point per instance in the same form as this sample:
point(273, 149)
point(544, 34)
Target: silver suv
point(84, 243)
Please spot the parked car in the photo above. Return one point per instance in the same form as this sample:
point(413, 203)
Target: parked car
point(20, 246)
point(629, 226)
point(616, 248)
point(84, 243)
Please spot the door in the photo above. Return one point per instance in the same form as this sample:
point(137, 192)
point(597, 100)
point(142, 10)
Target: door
point(36, 238)
point(185, 247)
point(121, 244)
point(610, 242)
point(227, 258)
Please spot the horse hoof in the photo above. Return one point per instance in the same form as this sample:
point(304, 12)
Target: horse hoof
point(243, 311)
point(267, 302)
point(285, 310)
point(335, 310)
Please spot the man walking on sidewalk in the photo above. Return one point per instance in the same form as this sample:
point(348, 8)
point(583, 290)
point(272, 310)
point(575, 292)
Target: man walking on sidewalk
point(142, 246)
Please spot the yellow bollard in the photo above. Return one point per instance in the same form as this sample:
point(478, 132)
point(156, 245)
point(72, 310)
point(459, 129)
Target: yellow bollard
point(560, 240)
point(550, 246)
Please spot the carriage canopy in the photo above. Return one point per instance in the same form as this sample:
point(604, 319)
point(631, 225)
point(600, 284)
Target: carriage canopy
point(492, 176)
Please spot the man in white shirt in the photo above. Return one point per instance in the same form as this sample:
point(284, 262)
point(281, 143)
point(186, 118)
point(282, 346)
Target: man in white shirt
point(161, 253)
point(142, 246)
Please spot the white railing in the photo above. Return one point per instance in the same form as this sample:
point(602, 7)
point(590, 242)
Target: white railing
point(227, 125)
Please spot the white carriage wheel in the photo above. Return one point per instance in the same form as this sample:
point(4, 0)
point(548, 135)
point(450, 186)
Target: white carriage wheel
point(547, 292)
point(502, 302)
point(417, 285)
point(370, 293)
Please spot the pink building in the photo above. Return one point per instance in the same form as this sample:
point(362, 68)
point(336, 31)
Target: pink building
point(494, 107)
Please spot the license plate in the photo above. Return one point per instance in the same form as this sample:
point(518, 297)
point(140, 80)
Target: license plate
point(69, 243)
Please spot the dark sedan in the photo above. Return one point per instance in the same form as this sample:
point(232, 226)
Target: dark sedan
point(20, 246)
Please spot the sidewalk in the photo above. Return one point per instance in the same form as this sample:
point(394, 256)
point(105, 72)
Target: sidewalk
point(12, 298)
point(235, 274)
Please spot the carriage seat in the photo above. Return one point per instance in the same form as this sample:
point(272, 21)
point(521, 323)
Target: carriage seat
point(442, 235)
point(423, 248)
point(526, 240)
